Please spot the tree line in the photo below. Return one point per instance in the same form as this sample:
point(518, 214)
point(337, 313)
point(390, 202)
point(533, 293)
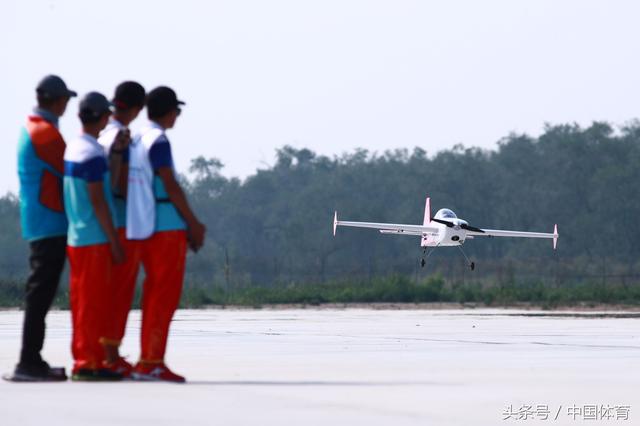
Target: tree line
point(274, 228)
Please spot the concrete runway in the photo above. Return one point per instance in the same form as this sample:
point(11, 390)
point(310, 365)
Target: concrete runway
point(352, 367)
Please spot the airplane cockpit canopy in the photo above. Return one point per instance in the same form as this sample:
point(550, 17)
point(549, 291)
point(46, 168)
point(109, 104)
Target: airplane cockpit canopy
point(446, 214)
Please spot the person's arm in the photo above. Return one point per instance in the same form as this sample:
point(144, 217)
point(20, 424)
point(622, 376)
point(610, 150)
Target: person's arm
point(119, 171)
point(99, 203)
point(162, 163)
point(195, 229)
point(118, 162)
point(123, 179)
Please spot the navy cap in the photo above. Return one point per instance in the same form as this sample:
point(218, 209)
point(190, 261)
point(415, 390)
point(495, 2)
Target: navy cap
point(129, 94)
point(53, 87)
point(162, 100)
point(94, 103)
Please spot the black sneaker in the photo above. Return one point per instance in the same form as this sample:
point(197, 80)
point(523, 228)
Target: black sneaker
point(40, 372)
point(98, 375)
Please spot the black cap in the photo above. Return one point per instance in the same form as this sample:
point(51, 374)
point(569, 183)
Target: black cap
point(129, 94)
point(162, 100)
point(53, 87)
point(94, 104)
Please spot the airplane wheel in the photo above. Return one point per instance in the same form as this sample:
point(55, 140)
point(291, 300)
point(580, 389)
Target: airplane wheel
point(423, 262)
point(473, 266)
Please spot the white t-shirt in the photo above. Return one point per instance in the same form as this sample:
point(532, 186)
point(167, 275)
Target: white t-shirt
point(141, 202)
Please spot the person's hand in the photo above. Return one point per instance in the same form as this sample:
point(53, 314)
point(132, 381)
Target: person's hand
point(122, 140)
point(117, 252)
point(196, 233)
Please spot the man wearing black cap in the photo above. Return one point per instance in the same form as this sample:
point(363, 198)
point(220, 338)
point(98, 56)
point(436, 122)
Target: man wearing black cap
point(165, 229)
point(93, 243)
point(44, 225)
point(129, 99)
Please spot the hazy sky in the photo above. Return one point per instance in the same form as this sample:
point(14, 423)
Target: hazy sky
point(329, 75)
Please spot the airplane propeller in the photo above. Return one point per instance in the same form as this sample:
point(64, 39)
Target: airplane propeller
point(463, 226)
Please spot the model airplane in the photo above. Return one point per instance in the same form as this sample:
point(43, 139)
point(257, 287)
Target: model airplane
point(443, 230)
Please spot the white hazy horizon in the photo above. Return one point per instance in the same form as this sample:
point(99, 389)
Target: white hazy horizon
point(329, 75)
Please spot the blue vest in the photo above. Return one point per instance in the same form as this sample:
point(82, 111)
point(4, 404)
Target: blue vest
point(40, 170)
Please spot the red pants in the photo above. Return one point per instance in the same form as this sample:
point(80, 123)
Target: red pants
point(123, 285)
point(163, 258)
point(90, 288)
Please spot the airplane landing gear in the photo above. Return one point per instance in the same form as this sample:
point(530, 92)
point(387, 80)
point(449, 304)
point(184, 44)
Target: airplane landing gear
point(425, 256)
point(472, 265)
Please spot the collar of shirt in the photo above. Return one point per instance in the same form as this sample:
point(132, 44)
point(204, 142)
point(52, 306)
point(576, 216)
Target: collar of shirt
point(46, 115)
point(89, 138)
point(115, 123)
point(155, 125)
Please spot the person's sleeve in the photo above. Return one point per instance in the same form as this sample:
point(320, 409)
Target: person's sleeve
point(93, 170)
point(160, 155)
point(49, 147)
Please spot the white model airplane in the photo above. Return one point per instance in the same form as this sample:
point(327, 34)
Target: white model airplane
point(443, 230)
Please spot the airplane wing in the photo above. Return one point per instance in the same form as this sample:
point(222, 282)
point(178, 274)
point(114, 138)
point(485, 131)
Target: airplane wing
point(386, 228)
point(517, 234)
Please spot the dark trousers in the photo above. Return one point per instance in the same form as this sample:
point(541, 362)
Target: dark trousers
point(47, 262)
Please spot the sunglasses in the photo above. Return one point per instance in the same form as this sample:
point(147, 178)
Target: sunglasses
point(179, 110)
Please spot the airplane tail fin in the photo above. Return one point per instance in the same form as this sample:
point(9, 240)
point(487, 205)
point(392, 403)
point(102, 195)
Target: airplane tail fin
point(427, 212)
point(426, 221)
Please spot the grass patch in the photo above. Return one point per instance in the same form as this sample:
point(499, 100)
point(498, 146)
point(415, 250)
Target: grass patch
point(398, 289)
point(393, 289)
